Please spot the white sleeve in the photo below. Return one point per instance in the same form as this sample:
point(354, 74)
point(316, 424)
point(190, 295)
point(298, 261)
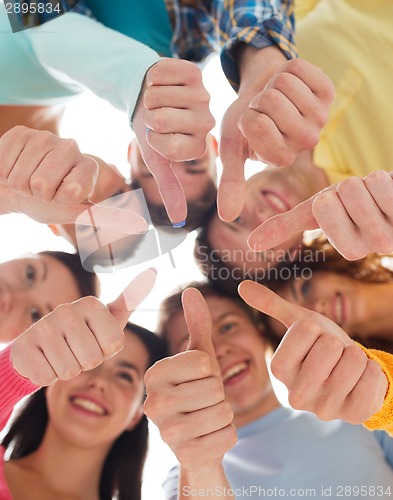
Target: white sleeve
point(76, 48)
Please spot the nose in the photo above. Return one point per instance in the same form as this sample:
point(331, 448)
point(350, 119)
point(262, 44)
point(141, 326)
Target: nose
point(97, 378)
point(221, 347)
point(254, 214)
point(7, 298)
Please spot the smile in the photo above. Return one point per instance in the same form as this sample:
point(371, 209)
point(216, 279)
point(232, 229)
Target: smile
point(89, 405)
point(233, 371)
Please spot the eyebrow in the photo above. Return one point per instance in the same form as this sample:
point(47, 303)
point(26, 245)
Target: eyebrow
point(293, 290)
point(225, 315)
point(130, 366)
point(193, 171)
point(44, 271)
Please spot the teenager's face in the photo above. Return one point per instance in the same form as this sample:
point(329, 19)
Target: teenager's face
point(97, 406)
point(336, 296)
point(270, 192)
point(240, 351)
point(29, 289)
point(194, 175)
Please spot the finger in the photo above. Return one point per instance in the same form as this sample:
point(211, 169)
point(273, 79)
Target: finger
point(173, 72)
point(178, 146)
point(380, 186)
point(61, 358)
point(12, 143)
point(132, 296)
point(339, 228)
point(25, 166)
point(282, 227)
point(172, 121)
point(265, 300)
point(156, 97)
point(198, 319)
point(79, 183)
point(32, 364)
point(85, 346)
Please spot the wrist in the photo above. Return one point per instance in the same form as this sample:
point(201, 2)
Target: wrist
point(256, 67)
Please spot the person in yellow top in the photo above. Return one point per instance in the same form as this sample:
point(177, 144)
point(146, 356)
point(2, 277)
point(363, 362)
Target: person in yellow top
point(348, 40)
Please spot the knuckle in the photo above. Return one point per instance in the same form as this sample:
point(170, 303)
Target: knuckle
point(159, 120)
point(297, 398)
point(113, 345)
point(150, 97)
point(377, 177)
point(347, 186)
point(174, 150)
point(70, 373)
point(206, 367)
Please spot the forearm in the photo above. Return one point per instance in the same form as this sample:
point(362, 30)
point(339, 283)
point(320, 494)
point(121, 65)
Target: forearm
point(258, 24)
point(82, 50)
point(210, 482)
point(256, 67)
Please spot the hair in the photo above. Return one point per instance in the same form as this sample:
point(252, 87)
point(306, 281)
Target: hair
point(87, 282)
point(121, 475)
point(370, 269)
point(172, 306)
point(197, 211)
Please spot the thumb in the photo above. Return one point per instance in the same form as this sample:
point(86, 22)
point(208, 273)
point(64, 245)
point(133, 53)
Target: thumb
point(265, 300)
point(133, 294)
point(198, 321)
point(232, 188)
point(170, 189)
point(282, 227)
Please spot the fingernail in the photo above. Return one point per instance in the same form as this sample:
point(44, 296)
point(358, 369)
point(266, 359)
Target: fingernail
point(179, 224)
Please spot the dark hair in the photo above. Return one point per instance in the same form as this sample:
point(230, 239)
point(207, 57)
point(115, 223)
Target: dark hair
point(87, 282)
point(121, 476)
point(370, 269)
point(197, 211)
point(203, 252)
point(172, 305)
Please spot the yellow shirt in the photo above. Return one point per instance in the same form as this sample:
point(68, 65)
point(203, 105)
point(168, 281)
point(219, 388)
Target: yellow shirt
point(352, 41)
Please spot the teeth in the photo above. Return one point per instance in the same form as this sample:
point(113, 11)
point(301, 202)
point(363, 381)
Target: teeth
point(89, 405)
point(339, 310)
point(235, 370)
point(277, 202)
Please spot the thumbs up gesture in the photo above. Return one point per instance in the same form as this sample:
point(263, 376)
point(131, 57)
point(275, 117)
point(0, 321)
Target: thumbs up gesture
point(356, 216)
point(325, 371)
point(48, 179)
point(185, 395)
point(78, 336)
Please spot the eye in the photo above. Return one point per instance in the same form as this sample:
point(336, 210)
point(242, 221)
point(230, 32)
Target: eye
point(228, 327)
point(35, 315)
point(305, 288)
point(126, 376)
point(30, 274)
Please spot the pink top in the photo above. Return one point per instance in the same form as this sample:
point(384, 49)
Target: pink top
point(13, 388)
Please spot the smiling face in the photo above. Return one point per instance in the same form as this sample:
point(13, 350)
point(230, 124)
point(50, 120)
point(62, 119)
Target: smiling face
point(29, 289)
point(194, 176)
point(336, 296)
point(240, 351)
point(97, 406)
point(268, 193)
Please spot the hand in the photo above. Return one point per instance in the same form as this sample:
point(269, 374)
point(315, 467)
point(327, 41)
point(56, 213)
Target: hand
point(185, 395)
point(48, 179)
point(356, 216)
point(274, 126)
point(325, 371)
point(78, 336)
point(46, 167)
point(174, 105)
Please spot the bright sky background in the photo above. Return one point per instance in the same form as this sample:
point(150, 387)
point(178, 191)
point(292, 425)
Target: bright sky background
point(103, 131)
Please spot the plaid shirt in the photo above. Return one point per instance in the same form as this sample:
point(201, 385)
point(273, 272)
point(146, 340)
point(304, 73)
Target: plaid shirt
point(204, 26)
